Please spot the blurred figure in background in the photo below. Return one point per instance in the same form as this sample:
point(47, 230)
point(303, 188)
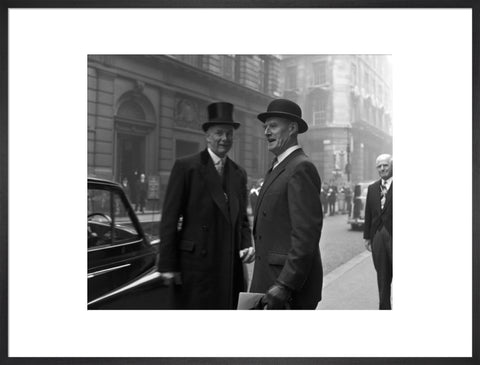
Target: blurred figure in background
point(133, 187)
point(323, 200)
point(142, 189)
point(348, 199)
point(126, 187)
point(332, 200)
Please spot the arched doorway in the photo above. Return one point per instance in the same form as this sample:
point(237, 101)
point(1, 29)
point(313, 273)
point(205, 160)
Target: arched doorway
point(134, 140)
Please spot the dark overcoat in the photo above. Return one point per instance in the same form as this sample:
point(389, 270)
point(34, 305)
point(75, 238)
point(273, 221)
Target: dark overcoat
point(287, 228)
point(204, 225)
point(375, 216)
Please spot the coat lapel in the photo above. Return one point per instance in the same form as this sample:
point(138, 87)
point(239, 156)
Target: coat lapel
point(233, 178)
point(271, 177)
point(213, 183)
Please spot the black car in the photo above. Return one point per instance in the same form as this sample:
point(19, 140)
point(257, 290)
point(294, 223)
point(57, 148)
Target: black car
point(122, 260)
point(356, 218)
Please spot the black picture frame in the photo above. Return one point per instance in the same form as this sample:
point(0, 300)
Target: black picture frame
point(6, 5)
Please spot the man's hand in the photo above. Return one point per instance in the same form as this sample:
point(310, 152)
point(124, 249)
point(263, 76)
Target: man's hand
point(277, 297)
point(368, 245)
point(247, 255)
point(171, 277)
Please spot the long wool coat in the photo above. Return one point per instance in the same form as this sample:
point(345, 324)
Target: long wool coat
point(213, 227)
point(287, 227)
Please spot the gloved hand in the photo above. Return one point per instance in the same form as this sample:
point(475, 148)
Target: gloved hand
point(277, 297)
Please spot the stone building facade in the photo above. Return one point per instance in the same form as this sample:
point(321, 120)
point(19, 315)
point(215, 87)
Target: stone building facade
point(346, 100)
point(144, 111)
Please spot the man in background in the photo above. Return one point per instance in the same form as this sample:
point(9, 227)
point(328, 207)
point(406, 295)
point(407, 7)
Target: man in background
point(378, 227)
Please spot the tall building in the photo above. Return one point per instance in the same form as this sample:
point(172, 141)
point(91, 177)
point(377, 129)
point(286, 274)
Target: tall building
point(144, 111)
point(346, 100)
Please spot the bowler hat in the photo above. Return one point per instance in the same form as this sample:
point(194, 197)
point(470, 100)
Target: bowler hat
point(287, 109)
point(220, 113)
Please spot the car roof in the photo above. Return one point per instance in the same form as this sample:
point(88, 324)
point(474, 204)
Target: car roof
point(97, 180)
point(365, 183)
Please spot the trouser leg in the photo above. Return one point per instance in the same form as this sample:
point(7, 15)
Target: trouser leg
point(382, 260)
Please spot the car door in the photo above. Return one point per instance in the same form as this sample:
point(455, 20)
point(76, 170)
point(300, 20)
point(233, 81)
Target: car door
point(117, 250)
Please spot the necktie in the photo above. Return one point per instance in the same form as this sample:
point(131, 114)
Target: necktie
point(274, 161)
point(219, 167)
point(383, 192)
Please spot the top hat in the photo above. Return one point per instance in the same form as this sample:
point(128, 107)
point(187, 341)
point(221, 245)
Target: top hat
point(220, 113)
point(287, 109)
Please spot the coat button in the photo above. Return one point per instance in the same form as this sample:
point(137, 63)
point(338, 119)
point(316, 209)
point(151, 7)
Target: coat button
point(260, 237)
point(203, 252)
point(205, 228)
point(264, 213)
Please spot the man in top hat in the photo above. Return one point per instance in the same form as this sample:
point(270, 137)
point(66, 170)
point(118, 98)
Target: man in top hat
point(288, 217)
point(205, 233)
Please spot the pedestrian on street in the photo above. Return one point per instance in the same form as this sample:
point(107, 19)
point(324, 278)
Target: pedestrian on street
point(332, 199)
point(142, 189)
point(348, 199)
point(378, 227)
point(135, 177)
point(126, 187)
point(209, 192)
point(288, 221)
point(323, 200)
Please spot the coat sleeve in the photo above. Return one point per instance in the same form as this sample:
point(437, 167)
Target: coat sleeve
point(305, 210)
point(368, 215)
point(173, 207)
point(246, 233)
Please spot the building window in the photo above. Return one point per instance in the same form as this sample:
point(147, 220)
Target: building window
point(319, 111)
point(263, 75)
point(228, 66)
point(319, 73)
point(291, 78)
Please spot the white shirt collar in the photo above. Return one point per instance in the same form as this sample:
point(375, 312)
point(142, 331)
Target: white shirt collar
point(285, 154)
point(214, 157)
point(387, 182)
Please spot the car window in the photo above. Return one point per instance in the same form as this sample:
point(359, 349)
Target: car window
point(109, 220)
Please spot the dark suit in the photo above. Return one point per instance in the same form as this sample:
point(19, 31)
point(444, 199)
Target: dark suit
point(287, 227)
point(378, 229)
point(206, 247)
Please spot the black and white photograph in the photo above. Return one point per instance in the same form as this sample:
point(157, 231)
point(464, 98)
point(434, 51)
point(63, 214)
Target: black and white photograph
point(159, 125)
point(233, 164)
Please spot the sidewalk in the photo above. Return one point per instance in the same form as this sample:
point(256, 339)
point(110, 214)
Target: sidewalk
point(351, 286)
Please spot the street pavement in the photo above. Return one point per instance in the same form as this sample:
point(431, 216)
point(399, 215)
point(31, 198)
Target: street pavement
point(349, 280)
point(352, 285)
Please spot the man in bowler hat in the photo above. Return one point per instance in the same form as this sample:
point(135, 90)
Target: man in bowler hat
point(205, 233)
point(288, 219)
point(377, 230)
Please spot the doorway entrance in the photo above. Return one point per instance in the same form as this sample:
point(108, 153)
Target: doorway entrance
point(130, 156)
